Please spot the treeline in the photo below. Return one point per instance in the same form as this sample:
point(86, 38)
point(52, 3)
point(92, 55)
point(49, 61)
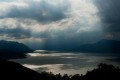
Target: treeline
point(103, 72)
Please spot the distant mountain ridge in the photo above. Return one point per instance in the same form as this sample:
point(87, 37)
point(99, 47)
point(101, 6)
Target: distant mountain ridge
point(103, 46)
point(11, 49)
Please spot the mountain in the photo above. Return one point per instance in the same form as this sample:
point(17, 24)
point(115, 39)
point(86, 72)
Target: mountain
point(103, 46)
point(10, 50)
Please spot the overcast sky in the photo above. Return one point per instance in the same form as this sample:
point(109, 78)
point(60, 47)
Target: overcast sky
point(47, 23)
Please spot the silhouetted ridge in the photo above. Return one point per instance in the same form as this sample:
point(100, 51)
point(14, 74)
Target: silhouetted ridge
point(14, 71)
point(103, 46)
point(10, 49)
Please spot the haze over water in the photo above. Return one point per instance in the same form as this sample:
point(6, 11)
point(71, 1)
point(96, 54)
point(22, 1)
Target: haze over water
point(66, 62)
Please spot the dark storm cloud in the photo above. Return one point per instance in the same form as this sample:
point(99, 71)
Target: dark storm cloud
point(42, 11)
point(110, 14)
point(17, 33)
point(72, 23)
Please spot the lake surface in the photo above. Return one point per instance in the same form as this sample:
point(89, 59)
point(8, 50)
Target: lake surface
point(66, 62)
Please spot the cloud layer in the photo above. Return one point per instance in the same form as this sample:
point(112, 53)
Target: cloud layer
point(50, 23)
point(42, 11)
point(109, 12)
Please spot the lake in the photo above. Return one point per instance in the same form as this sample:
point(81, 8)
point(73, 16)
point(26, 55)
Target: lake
point(66, 62)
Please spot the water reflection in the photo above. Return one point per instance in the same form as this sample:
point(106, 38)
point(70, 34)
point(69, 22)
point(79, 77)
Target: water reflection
point(59, 68)
point(64, 62)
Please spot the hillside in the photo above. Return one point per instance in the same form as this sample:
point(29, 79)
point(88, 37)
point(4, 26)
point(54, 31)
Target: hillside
point(14, 71)
point(10, 50)
point(103, 46)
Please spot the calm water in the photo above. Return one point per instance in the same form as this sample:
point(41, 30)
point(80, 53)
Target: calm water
point(66, 62)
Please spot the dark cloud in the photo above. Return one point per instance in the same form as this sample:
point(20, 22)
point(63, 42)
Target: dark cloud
point(60, 35)
point(17, 33)
point(43, 11)
point(110, 14)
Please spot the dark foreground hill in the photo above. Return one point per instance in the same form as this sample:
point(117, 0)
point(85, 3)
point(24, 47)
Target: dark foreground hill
point(11, 50)
point(14, 71)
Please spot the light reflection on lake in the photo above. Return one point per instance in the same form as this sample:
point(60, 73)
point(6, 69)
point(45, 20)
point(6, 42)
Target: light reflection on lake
point(65, 62)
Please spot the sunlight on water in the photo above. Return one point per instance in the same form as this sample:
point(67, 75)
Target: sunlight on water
point(58, 68)
point(65, 62)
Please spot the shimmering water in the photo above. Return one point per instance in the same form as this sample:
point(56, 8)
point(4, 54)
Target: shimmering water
point(66, 62)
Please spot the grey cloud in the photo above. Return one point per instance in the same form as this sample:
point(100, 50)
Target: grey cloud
point(46, 12)
point(17, 32)
point(109, 11)
point(41, 11)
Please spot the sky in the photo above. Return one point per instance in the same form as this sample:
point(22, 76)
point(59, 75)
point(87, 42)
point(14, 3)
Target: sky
point(43, 24)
